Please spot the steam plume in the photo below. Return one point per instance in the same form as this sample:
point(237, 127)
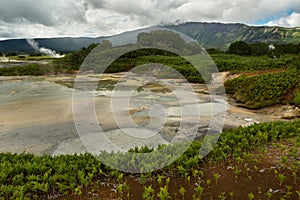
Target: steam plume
point(43, 50)
point(271, 47)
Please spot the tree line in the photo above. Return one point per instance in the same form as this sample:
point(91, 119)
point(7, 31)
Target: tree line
point(259, 49)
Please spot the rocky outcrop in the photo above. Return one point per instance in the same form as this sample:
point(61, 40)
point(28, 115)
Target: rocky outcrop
point(290, 112)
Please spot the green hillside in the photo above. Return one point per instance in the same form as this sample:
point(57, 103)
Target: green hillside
point(218, 35)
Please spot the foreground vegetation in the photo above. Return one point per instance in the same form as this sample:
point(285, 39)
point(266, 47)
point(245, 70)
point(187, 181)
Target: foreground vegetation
point(237, 156)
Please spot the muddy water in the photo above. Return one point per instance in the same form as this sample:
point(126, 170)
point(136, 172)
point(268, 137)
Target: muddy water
point(37, 116)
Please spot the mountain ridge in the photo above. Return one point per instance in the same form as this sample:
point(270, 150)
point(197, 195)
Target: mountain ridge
point(220, 35)
point(208, 34)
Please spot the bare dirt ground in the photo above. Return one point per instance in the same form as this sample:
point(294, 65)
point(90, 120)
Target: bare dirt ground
point(237, 180)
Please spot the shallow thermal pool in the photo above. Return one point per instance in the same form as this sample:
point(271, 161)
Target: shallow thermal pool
point(37, 115)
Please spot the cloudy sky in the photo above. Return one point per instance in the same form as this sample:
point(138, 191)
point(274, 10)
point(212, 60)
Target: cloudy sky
point(49, 18)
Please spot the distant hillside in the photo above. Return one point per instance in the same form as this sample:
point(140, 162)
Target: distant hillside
point(218, 35)
point(210, 35)
point(58, 44)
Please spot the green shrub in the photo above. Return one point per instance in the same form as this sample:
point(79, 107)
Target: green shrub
point(264, 90)
point(32, 69)
point(297, 97)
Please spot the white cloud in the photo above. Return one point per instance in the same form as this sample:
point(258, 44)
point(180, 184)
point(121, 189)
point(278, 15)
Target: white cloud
point(50, 18)
point(292, 20)
point(258, 10)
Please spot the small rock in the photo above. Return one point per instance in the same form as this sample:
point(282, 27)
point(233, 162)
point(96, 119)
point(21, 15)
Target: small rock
point(229, 167)
point(262, 170)
point(248, 120)
point(271, 190)
point(289, 112)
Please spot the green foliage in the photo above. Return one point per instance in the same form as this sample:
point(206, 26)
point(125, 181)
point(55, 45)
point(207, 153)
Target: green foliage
point(33, 58)
point(281, 178)
point(26, 176)
point(163, 193)
point(259, 49)
point(225, 62)
point(214, 51)
point(234, 142)
point(288, 48)
point(182, 192)
point(32, 69)
point(230, 144)
point(140, 57)
point(148, 193)
point(250, 196)
point(72, 61)
point(240, 48)
point(235, 63)
point(264, 90)
point(297, 96)
point(263, 49)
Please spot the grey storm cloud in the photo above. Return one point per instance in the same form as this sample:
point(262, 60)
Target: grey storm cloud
point(94, 4)
point(169, 4)
point(48, 18)
point(18, 11)
point(45, 12)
